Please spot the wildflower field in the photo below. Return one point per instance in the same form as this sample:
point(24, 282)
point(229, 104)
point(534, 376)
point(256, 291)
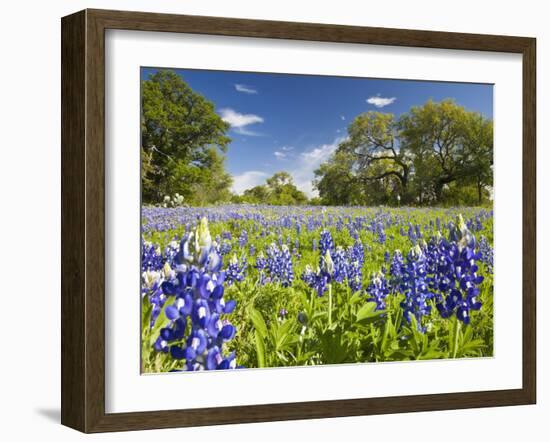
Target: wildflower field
point(237, 286)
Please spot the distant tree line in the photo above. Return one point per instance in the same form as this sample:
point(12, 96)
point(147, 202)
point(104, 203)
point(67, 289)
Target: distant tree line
point(438, 153)
point(279, 190)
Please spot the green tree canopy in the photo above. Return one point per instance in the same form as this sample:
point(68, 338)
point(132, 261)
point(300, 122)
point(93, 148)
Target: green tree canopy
point(449, 145)
point(182, 142)
point(279, 190)
point(336, 181)
point(436, 153)
point(373, 143)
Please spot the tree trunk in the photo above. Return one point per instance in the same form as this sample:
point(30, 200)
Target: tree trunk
point(404, 179)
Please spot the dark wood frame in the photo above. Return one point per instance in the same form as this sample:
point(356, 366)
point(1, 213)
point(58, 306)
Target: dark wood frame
point(83, 218)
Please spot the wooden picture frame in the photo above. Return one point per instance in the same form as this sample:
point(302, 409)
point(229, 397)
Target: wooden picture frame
point(83, 220)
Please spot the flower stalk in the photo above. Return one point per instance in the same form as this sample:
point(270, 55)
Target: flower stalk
point(330, 305)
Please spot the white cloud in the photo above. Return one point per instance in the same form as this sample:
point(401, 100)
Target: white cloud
point(239, 122)
point(245, 131)
point(321, 153)
point(310, 160)
point(284, 152)
point(305, 163)
point(236, 119)
point(248, 180)
point(342, 117)
point(380, 102)
point(245, 89)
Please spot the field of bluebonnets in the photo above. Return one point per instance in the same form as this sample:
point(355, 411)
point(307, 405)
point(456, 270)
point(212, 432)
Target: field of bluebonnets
point(261, 286)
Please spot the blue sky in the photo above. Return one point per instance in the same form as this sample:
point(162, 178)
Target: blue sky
point(294, 122)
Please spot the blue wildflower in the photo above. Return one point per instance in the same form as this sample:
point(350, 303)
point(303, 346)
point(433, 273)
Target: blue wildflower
point(279, 265)
point(340, 265)
point(487, 254)
point(196, 290)
point(151, 259)
point(355, 276)
point(243, 238)
point(378, 290)
point(326, 243)
point(235, 271)
point(415, 287)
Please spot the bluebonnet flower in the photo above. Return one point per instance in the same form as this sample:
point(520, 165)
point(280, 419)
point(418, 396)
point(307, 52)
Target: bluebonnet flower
point(196, 290)
point(235, 271)
point(456, 276)
point(412, 234)
point(315, 280)
point(279, 265)
point(243, 238)
point(460, 234)
point(487, 253)
point(275, 266)
point(225, 247)
point(396, 268)
point(318, 280)
point(381, 234)
point(261, 266)
point(151, 259)
point(378, 290)
point(479, 225)
point(463, 296)
point(357, 253)
point(261, 262)
point(309, 276)
point(151, 287)
point(216, 361)
point(340, 265)
point(355, 276)
point(453, 272)
point(326, 265)
point(415, 287)
point(326, 243)
point(324, 273)
point(170, 252)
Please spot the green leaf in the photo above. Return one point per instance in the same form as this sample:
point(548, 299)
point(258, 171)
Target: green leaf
point(258, 321)
point(284, 336)
point(368, 313)
point(432, 354)
point(260, 349)
point(357, 296)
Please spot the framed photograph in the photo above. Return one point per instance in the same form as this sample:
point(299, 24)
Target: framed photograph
point(266, 221)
